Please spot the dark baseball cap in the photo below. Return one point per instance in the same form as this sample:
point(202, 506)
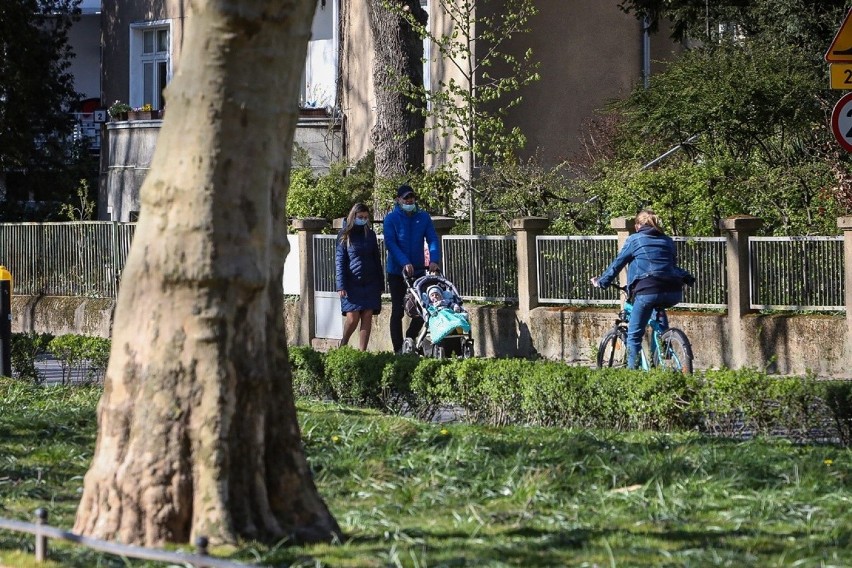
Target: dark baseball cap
point(404, 191)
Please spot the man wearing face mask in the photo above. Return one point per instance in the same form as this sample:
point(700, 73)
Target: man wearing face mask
point(405, 230)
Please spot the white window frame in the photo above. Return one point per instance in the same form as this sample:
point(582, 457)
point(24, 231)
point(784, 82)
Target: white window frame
point(138, 58)
point(427, 53)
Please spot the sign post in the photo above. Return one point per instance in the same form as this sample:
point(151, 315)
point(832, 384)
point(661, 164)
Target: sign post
point(5, 322)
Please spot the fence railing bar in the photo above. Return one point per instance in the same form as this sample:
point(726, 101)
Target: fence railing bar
point(139, 552)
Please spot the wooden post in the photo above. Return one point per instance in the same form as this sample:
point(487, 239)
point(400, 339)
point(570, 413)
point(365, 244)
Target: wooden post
point(201, 544)
point(40, 539)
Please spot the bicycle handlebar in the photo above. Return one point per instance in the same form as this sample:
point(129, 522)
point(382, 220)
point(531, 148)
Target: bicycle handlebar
point(594, 282)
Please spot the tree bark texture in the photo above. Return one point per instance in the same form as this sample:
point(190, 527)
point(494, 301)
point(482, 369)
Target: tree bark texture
point(399, 55)
point(197, 425)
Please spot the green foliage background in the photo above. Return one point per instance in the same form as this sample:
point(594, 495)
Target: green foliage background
point(37, 154)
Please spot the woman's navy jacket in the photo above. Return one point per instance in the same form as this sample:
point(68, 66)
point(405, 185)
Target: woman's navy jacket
point(359, 264)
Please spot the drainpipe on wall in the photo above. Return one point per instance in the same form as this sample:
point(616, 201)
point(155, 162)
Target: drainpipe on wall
point(646, 52)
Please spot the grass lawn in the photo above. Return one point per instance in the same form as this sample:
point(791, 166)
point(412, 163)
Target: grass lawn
point(418, 494)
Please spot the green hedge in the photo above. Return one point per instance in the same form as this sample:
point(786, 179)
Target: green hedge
point(516, 391)
point(79, 355)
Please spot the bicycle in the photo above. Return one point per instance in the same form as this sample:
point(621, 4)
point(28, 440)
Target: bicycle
point(669, 346)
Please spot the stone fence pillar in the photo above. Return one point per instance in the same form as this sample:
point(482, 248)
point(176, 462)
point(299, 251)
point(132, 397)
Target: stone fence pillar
point(526, 229)
point(307, 228)
point(845, 224)
point(737, 231)
point(624, 227)
point(443, 225)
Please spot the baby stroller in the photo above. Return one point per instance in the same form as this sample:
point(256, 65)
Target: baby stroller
point(457, 342)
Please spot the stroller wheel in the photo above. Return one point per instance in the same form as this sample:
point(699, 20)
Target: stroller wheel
point(438, 352)
point(467, 349)
point(408, 346)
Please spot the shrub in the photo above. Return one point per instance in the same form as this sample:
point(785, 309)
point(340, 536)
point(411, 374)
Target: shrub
point(550, 393)
point(331, 195)
point(308, 371)
point(25, 348)
point(432, 384)
point(396, 395)
point(838, 400)
point(354, 377)
point(85, 355)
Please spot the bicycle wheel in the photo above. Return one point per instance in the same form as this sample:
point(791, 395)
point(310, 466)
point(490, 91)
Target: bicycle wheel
point(675, 352)
point(612, 350)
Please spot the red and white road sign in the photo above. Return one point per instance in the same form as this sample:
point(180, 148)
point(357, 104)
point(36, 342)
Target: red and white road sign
point(841, 121)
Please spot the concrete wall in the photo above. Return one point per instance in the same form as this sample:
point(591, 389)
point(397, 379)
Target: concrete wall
point(786, 344)
point(127, 149)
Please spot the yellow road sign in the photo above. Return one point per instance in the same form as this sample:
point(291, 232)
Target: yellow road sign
point(6, 275)
point(841, 48)
point(840, 75)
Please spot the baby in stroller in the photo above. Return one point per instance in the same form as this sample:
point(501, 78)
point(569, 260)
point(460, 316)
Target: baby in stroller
point(447, 330)
point(439, 301)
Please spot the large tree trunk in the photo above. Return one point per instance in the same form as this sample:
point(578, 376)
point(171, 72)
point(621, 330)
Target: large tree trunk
point(197, 425)
point(398, 55)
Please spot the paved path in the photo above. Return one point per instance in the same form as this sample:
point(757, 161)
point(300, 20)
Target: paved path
point(50, 371)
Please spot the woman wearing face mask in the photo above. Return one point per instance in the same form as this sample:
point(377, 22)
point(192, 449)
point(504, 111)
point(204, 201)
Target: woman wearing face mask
point(358, 272)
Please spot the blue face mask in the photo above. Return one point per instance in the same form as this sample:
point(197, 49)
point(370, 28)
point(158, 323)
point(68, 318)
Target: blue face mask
point(408, 206)
point(360, 222)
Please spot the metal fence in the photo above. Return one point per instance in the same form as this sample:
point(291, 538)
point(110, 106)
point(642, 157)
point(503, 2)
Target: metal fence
point(566, 264)
point(482, 267)
point(706, 258)
point(66, 259)
point(787, 273)
point(796, 273)
point(324, 253)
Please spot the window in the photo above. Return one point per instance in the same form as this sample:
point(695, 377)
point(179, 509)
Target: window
point(150, 63)
point(320, 73)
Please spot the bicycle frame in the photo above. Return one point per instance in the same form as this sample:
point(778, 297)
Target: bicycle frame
point(667, 347)
point(655, 338)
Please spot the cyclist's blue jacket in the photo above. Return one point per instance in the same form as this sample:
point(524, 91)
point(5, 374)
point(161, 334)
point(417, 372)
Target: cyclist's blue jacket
point(404, 234)
point(653, 259)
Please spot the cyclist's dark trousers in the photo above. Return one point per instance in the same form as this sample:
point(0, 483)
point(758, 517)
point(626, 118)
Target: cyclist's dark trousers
point(397, 286)
point(643, 305)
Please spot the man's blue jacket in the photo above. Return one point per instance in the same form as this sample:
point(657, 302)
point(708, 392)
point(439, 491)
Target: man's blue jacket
point(404, 235)
point(650, 253)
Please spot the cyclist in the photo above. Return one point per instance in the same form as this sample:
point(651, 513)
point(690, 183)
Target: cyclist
point(653, 278)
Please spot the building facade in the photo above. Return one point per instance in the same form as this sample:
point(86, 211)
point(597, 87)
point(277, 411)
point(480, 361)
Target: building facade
point(589, 54)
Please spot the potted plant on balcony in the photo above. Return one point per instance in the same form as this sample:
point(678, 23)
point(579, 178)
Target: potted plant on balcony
point(118, 110)
point(313, 102)
point(145, 112)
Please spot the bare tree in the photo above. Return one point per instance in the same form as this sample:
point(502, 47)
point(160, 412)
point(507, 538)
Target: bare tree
point(398, 134)
point(197, 424)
